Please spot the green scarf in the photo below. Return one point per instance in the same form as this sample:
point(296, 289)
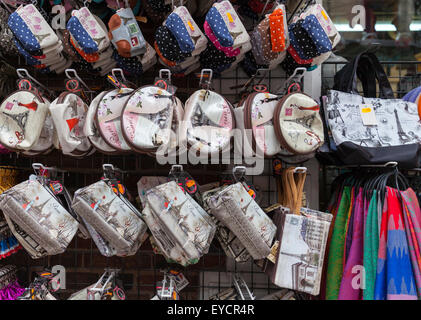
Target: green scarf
point(371, 248)
point(336, 250)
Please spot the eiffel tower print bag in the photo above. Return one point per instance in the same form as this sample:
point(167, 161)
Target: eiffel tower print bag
point(235, 208)
point(88, 30)
point(370, 129)
point(37, 219)
point(68, 112)
point(114, 219)
point(32, 30)
point(182, 229)
point(22, 117)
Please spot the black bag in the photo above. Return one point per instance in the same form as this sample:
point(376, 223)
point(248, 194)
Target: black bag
point(395, 137)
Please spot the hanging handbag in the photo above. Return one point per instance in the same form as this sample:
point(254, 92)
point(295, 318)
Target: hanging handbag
point(37, 219)
point(147, 118)
point(298, 125)
point(68, 112)
point(21, 119)
point(370, 130)
point(112, 216)
point(90, 129)
point(208, 123)
point(125, 33)
point(108, 118)
point(32, 30)
point(237, 210)
point(182, 230)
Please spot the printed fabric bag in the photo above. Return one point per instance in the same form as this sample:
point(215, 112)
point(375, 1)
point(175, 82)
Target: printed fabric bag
point(147, 118)
point(229, 242)
point(188, 35)
point(208, 123)
point(226, 25)
point(302, 245)
point(278, 28)
point(90, 129)
point(68, 112)
point(370, 130)
point(235, 209)
point(22, 116)
point(256, 113)
point(88, 31)
point(298, 124)
point(37, 219)
point(108, 118)
point(112, 217)
point(31, 29)
point(125, 33)
point(183, 231)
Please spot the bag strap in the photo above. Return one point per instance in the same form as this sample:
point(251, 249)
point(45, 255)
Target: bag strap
point(366, 67)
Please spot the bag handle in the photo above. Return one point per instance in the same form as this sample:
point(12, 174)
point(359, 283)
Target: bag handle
point(366, 67)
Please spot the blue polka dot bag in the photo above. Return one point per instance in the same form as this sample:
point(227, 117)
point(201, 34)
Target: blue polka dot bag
point(317, 34)
point(88, 31)
point(31, 29)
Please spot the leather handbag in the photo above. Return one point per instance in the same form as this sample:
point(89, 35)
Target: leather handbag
point(367, 129)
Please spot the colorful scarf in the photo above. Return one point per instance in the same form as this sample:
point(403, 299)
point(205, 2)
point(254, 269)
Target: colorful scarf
point(395, 279)
point(412, 217)
point(351, 289)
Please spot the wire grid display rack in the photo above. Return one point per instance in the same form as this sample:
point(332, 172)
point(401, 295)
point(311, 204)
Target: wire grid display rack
point(140, 272)
point(403, 77)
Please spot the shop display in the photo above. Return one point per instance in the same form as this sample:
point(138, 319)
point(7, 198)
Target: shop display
point(207, 179)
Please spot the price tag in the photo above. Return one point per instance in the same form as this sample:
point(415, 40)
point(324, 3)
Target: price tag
point(367, 115)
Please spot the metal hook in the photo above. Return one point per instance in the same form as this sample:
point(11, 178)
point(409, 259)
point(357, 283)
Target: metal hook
point(300, 169)
point(120, 71)
point(264, 9)
point(75, 76)
point(23, 73)
point(209, 80)
point(238, 169)
point(165, 71)
point(176, 167)
point(293, 78)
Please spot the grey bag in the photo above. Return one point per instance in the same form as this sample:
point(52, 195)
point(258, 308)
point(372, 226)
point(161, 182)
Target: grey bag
point(114, 223)
point(37, 219)
point(182, 230)
point(237, 211)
